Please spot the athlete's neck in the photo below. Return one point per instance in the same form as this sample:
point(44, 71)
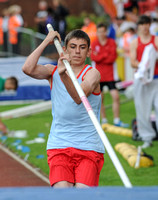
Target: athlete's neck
point(76, 69)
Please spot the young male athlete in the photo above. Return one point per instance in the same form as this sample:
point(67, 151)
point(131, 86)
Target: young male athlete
point(145, 95)
point(74, 148)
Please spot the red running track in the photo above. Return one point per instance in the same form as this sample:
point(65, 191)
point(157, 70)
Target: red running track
point(14, 174)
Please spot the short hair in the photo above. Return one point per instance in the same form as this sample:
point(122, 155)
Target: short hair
point(144, 19)
point(79, 34)
point(102, 25)
point(14, 81)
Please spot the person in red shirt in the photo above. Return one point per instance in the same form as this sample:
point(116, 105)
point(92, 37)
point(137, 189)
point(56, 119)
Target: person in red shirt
point(104, 55)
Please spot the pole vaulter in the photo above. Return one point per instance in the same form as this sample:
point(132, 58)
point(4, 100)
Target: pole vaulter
point(92, 116)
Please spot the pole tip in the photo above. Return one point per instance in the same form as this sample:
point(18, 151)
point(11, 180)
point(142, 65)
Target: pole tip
point(49, 27)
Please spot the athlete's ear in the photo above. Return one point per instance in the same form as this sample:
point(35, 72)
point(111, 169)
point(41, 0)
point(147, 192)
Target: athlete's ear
point(89, 52)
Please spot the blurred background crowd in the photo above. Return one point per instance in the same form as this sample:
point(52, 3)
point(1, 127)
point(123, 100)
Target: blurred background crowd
point(120, 16)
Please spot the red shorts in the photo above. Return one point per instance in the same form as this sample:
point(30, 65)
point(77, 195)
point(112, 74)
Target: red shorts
point(74, 166)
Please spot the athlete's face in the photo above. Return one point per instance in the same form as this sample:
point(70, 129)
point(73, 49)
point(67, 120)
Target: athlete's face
point(78, 51)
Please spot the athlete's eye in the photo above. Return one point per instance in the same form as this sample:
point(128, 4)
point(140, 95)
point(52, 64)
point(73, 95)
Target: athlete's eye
point(83, 47)
point(72, 46)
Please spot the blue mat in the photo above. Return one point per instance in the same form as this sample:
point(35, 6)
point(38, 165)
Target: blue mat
point(100, 193)
point(29, 88)
point(34, 92)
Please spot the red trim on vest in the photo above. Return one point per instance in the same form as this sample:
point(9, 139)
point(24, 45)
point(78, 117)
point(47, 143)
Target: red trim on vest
point(52, 76)
point(96, 93)
point(82, 71)
point(86, 72)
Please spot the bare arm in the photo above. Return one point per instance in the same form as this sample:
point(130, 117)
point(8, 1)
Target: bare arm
point(133, 54)
point(90, 83)
point(31, 67)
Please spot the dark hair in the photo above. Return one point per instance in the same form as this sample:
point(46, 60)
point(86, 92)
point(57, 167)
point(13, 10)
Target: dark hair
point(100, 25)
point(144, 19)
point(79, 34)
point(14, 81)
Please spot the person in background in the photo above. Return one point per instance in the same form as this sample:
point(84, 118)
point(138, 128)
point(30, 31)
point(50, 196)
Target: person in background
point(1, 30)
point(111, 32)
point(90, 28)
point(60, 12)
point(145, 94)
point(5, 20)
point(104, 55)
point(41, 17)
point(14, 23)
point(128, 36)
point(10, 83)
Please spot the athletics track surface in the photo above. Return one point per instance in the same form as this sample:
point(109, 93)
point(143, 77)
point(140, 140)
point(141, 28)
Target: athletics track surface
point(14, 174)
point(19, 183)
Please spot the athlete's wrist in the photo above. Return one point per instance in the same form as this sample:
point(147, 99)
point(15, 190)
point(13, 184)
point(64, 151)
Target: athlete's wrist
point(61, 71)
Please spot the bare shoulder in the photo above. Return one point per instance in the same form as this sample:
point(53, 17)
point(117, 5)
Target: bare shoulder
point(93, 72)
point(92, 75)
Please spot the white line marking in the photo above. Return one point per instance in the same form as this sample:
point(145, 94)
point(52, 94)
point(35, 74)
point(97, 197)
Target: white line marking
point(26, 110)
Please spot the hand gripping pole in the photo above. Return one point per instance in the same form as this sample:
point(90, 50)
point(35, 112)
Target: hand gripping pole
point(92, 116)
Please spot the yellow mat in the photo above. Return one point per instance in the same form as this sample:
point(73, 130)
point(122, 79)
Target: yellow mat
point(130, 153)
point(117, 130)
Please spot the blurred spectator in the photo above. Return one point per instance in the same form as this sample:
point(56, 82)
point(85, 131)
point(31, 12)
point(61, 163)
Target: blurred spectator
point(154, 26)
point(10, 83)
point(50, 18)
point(122, 25)
point(104, 55)
point(90, 28)
point(41, 17)
point(15, 22)
point(118, 22)
point(1, 30)
point(154, 13)
point(5, 20)
point(120, 7)
point(131, 6)
point(111, 31)
point(60, 12)
point(154, 23)
point(128, 36)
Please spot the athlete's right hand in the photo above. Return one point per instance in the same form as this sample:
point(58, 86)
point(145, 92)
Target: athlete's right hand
point(61, 66)
point(51, 35)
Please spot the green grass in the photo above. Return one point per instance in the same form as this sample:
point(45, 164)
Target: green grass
point(40, 123)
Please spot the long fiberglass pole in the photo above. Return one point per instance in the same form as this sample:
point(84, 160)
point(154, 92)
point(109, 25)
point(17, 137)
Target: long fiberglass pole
point(95, 121)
